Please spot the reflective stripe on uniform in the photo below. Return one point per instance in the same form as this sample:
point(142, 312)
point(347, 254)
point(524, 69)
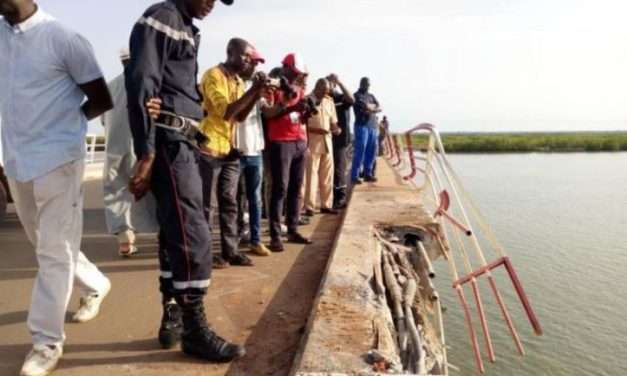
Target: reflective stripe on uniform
point(167, 30)
point(192, 284)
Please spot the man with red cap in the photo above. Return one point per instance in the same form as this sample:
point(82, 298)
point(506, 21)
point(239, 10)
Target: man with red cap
point(287, 133)
point(226, 104)
point(249, 139)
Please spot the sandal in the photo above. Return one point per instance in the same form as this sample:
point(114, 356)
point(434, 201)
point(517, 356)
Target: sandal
point(218, 262)
point(240, 260)
point(126, 249)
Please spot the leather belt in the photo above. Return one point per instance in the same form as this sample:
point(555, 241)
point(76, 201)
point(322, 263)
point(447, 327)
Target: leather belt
point(181, 124)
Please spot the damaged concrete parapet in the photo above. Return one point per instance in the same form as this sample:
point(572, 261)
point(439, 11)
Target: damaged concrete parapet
point(351, 318)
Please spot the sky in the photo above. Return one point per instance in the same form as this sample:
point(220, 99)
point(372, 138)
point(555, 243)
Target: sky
point(462, 65)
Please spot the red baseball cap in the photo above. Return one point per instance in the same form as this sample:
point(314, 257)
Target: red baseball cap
point(295, 62)
point(257, 56)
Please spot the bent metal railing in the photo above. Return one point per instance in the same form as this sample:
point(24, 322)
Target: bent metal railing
point(442, 189)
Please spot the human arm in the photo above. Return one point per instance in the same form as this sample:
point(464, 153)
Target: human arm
point(98, 98)
point(149, 49)
point(348, 97)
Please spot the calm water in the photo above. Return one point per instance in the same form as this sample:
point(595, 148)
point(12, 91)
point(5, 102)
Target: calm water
point(562, 218)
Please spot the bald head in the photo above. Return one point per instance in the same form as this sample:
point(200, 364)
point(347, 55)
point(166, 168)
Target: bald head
point(322, 88)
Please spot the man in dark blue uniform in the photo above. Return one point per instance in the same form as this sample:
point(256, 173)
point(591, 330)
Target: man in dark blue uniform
point(164, 49)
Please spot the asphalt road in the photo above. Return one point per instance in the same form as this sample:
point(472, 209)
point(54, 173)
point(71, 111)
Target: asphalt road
point(264, 307)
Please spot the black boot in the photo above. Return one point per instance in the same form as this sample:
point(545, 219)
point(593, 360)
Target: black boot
point(171, 328)
point(200, 341)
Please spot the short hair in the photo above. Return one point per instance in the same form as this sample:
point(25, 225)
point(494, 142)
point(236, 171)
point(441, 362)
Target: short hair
point(236, 44)
point(322, 81)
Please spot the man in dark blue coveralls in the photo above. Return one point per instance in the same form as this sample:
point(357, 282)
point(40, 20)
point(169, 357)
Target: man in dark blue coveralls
point(164, 49)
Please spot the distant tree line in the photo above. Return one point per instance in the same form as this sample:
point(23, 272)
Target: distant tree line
point(530, 142)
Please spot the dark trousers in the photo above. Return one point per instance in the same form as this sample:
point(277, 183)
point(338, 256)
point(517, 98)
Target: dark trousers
point(339, 174)
point(287, 163)
point(184, 239)
point(219, 189)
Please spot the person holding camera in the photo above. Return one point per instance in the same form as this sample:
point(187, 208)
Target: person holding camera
point(226, 103)
point(320, 126)
point(286, 114)
point(250, 140)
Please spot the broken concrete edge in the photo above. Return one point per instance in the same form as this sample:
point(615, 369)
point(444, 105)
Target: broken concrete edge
point(310, 320)
point(339, 330)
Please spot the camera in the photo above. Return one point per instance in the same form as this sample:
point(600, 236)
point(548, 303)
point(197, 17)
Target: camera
point(312, 106)
point(281, 83)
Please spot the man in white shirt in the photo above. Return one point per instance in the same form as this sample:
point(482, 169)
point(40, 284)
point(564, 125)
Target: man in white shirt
point(249, 141)
point(46, 71)
point(124, 215)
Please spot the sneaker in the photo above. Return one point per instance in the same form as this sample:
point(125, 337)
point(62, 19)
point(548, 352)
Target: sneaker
point(303, 221)
point(41, 360)
point(260, 250)
point(328, 211)
point(283, 229)
point(90, 305)
point(308, 213)
point(126, 249)
point(371, 179)
point(356, 181)
point(297, 237)
point(171, 328)
point(244, 237)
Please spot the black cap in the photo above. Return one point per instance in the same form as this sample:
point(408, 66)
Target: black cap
point(227, 2)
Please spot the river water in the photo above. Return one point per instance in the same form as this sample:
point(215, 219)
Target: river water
point(562, 219)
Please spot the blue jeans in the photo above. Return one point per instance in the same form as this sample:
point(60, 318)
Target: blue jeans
point(364, 150)
point(251, 167)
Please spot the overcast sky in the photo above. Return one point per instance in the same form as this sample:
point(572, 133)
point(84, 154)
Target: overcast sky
point(464, 65)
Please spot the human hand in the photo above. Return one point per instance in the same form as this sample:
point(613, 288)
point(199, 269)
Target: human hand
point(153, 106)
point(139, 183)
point(334, 79)
point(336, 130)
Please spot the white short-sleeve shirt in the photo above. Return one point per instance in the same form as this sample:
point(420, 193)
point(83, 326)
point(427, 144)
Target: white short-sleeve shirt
point(41, 65)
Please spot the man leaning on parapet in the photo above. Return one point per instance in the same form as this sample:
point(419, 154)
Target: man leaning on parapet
point(46, 71)
point(164, 49)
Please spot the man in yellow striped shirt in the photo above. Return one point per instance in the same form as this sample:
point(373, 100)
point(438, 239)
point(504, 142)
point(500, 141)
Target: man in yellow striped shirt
point(225, 103)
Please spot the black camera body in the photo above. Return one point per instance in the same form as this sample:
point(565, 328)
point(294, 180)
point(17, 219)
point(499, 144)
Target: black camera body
point(281, 83)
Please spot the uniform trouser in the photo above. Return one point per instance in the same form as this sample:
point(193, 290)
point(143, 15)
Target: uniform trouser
point(319, 176)
point(219, 189)
point(364, 150)
point(251, 169)
point(51, 210)
point(184, 239)
point(339, 174)
point(287, 163)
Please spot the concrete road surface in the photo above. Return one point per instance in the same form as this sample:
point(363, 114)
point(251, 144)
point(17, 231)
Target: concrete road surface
point(264, 307)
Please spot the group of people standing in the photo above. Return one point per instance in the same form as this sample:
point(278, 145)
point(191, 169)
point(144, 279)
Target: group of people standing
point(192, 144)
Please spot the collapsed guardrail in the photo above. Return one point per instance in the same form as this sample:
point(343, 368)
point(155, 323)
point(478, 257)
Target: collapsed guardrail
point(458, 215)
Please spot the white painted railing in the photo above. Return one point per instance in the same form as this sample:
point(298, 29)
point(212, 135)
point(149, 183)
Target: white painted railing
point(95, 151)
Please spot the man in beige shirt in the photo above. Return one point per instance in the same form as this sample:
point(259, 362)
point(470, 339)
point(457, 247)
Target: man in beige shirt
point(319, 173)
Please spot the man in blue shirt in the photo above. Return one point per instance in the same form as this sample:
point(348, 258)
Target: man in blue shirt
point(164, 49)
point(366, 128)
point(46, 71)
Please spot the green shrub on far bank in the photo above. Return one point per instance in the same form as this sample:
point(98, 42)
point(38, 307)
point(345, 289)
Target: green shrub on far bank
point(530, 142)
